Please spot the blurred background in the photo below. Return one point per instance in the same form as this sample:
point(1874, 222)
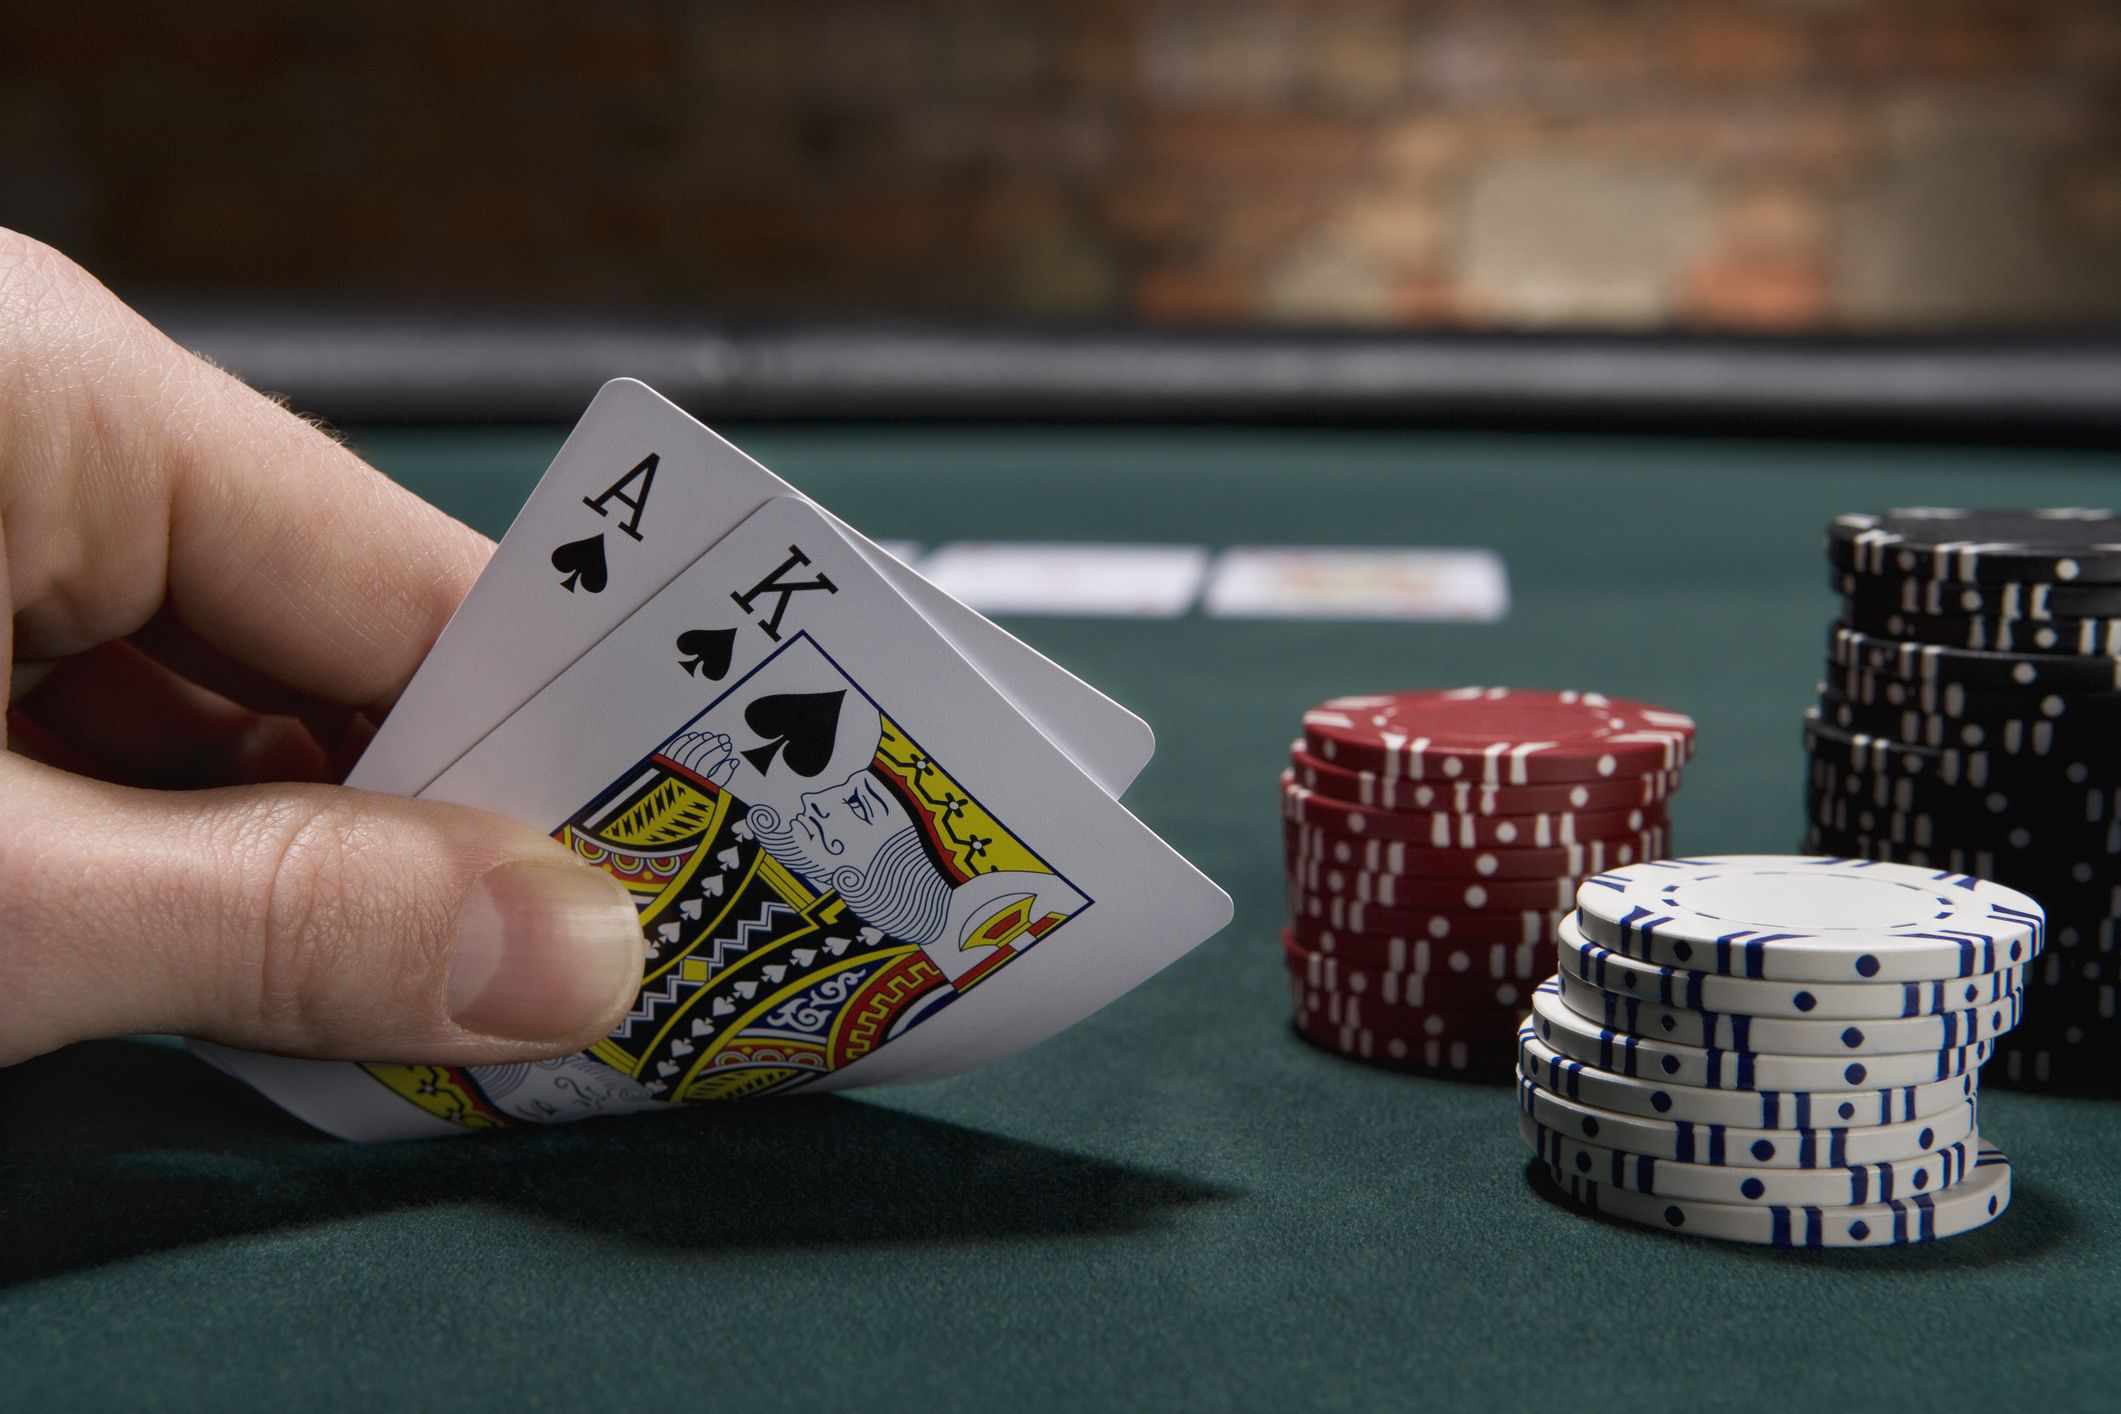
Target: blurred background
point(1789, 167)
point(1757, 164)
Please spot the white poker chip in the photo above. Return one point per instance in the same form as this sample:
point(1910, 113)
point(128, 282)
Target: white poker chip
point(1662, 1178)
point(1805, 918)
point(1689, 990)
point(1758, 1109)
point(1625, 1053)
point(1723, 1145)
point(1781, 1035)
point(1978, 1201)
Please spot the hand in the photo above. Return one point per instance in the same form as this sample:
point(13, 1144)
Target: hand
point(204, 601)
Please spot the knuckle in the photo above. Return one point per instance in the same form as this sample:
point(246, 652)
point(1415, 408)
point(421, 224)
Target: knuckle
point(310, 852)
point(352, 934)
point(37, 284)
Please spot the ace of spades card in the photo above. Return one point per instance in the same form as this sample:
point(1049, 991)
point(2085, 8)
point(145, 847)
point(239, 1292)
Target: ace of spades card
point(636, 493)
point(854, 861)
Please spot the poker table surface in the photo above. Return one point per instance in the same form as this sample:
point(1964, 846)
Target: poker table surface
point(1175, 1204)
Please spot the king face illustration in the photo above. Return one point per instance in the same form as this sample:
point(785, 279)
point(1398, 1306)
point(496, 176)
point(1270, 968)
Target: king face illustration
point(812, 884)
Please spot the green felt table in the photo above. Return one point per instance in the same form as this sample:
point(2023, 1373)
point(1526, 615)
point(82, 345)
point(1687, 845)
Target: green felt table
point(1175, 1204)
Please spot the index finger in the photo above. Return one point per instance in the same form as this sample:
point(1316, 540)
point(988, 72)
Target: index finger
point(134, 474)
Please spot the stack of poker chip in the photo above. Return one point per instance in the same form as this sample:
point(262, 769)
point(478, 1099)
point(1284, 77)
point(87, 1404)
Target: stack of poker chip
point(1433, 842)
point(1780, 1049)
point(1971, 721)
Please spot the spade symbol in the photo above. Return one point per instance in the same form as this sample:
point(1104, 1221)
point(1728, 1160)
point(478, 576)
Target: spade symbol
point(801, 725)
point(581, 562)
point(706, 651)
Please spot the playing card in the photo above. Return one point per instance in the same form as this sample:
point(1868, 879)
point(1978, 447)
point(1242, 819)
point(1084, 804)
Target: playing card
point(636, 493)
point(1098, 581)
point(1280, 582)
point(855, 861)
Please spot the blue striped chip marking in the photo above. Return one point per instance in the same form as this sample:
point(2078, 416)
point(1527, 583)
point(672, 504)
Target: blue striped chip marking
point(1607, 881)
point(2036, 921)
point(1689, 991)
point(1977, 951)
point(1563, 1074)
point(1685, 987)
point(1956, 1029)
point(1641, 922)
point(1708, 1144)
point(1752, 951)
point(1914, 1220)
point(1734, 1069)
point(1867, 1183)
point(1923, 1209)
point(1988, 1158)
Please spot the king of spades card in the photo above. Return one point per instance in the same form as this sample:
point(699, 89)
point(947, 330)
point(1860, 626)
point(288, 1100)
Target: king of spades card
point(812, 884)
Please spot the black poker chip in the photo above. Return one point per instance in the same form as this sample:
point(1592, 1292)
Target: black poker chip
point(1870, 754)
point(2077, 852)
point(2065, 545)
point(1969, 723)
point(2063, 967)
point(2064, 888)
point(2084, 1069)
point(2090, 801)
point(1971, 668)
point(2032, 738)
point(2082, 637)
point(2052, 1014)
point(1949, 700)
point(2094, 939)
point(1905, 594)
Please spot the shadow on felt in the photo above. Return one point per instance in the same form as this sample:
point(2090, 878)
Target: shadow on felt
point(117, 1149)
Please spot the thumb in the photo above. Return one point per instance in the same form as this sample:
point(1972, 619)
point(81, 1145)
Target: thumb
point(311, 920)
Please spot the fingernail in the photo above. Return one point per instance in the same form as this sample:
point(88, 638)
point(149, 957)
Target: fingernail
point(543, 952)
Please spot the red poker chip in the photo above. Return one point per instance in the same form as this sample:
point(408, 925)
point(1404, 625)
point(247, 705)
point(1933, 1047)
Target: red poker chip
point(1306, 847)
point(1523, 925)
point(1447, 992)
point(1386, 792)
point(1441, 829)
point(1454, 1060)
point(1479, 1022)
point(1405, 891)
point(1517, 959)
point(1419, 899)
point(1489, 1025)
point(1498, 735)
point(1428, 1037)
point(1526, 961)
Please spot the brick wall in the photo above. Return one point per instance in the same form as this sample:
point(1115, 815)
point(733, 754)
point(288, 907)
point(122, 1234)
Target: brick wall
point(1745, 163)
